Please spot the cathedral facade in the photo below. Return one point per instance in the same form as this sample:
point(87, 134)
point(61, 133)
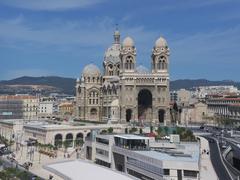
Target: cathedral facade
point(125, 92)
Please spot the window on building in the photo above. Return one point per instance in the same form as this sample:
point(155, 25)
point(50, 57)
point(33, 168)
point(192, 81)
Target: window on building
point(166, 172)
point(102, 152)
point(103, 141)
point(188, 173)
point(93, 97)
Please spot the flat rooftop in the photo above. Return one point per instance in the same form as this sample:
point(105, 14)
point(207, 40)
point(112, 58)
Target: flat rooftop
point(83, 170)
point(47, 126)
point(131, 137)
point(187, 153)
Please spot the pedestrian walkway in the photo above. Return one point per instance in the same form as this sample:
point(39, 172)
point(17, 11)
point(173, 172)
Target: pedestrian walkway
point(39, 160)
point(206, 168)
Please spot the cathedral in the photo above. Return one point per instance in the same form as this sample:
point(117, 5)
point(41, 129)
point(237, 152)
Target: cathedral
point(125, 92)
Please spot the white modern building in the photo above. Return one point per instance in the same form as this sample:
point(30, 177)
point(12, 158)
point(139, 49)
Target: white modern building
point(138, 156)
point(72, 170)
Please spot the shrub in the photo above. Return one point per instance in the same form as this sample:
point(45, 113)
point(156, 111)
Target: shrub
point(110, 130)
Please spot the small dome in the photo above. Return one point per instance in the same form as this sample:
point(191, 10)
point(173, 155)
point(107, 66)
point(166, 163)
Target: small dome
point(128, 42)
point(142, 70)
point(116, 33)
point(91, 70)
point(161, 42)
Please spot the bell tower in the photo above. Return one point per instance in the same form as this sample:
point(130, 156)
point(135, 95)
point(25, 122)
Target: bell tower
point(160, 56)
point(128, 56)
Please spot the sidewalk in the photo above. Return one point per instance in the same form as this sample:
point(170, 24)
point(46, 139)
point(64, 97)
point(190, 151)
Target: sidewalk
point(40, 160)
point(206, 168)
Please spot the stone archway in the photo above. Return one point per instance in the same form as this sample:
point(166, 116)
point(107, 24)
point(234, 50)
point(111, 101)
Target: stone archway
point(161, 115)
point(69, 140)
point(58, 140)
point(79, 139)
point(145, 105)
point(128, 115)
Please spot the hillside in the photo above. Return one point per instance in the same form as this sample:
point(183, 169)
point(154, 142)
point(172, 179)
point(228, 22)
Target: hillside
point(189, 84)
point(49, 84)
point(54, 83)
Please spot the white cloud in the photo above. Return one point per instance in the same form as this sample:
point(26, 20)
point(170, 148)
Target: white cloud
point(189, 4)
point(217, 46)
point(51, 5)
point(96, 32)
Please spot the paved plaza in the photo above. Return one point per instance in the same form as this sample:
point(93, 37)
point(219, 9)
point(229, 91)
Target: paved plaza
point(39, 160)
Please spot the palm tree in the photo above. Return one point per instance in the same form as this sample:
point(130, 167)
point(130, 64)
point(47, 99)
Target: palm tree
point(65, 145)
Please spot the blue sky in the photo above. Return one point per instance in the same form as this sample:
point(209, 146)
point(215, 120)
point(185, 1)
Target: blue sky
point(59, 37)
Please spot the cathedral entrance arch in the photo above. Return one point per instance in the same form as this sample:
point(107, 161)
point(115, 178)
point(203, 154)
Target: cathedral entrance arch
point(145, 105)
point(161, 114)
point(93, 113)
point(128, 115)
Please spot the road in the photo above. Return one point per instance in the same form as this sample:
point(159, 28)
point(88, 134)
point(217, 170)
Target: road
point(217, 162)
point(236, 151)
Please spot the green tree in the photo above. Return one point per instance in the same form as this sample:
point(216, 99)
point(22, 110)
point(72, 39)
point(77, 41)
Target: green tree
point(79, 142)
point(166, 129)
point(66, 145)
point(104, 131)
point(151, 129)
point(133, 130)
point(110, 130)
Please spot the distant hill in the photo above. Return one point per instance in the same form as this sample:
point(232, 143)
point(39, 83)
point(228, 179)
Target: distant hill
point(60, 84)
point(49, 84)
point(189, 84)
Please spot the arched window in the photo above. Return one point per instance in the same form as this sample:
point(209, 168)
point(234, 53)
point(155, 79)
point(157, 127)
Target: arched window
point(118, 69)
point(109, 91)
point(58, 140)
point(110, 69)
point(162, 64)
point(79, 89)
point(129, 62)
point(93, 97)
point(126, 64)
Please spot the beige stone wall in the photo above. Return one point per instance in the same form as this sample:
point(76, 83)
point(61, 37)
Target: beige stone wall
point(194, 114)
point(184, 97)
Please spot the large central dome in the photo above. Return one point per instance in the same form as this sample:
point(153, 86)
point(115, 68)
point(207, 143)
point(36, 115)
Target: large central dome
point(91, 70)
point(113, 52)
point(142, 70)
